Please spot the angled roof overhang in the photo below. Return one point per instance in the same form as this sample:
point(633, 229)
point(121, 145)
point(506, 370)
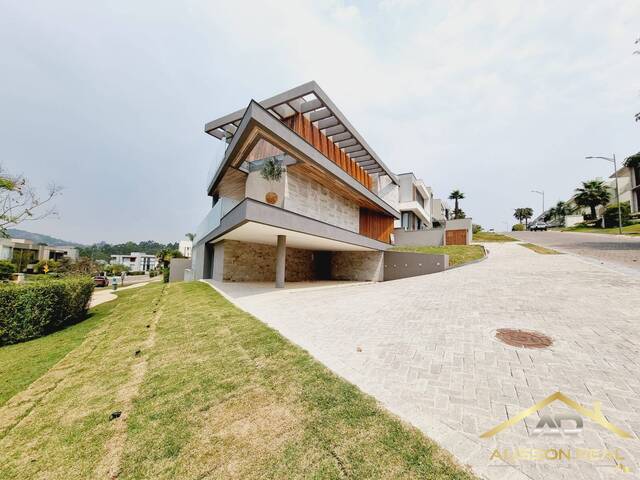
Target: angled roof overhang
point(310, 100)
point(257, 123)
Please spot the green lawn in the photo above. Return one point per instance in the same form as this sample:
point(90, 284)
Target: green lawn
point(206, 391)
point(628, 230)
point(492, 237)
point(458, 254)
point(539, 249)
point(21, 364)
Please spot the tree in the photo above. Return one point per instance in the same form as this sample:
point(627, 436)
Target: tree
point(166, 254)
point(528, 213)
point(116, 269)
point(52, 266)
point(456, 195)
point(20, 202)
point(6, 269)
point(518, 214)
point(190, 236)
point(591, 194)
point(524, 213)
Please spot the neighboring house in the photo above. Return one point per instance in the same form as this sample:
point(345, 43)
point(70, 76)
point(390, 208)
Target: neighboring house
point(440, 211)
point(330, 216)
point(136, 261)
point(26, 253)
point(414, 203)
point(184, 247)
point(629, 186)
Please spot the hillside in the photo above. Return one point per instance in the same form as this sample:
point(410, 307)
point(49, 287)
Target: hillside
point(40, 238)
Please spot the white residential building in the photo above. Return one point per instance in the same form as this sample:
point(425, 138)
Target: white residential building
point(185, 248)
point(136, 261)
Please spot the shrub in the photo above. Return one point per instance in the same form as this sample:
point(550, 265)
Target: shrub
point(115, 269)
point(152, 273)
point(6, 269)
point(135, 273)
point(52, 264)
point(165, 274)
point(611, 214)
point(518, 227)
point(475, 228)
point(31, 310)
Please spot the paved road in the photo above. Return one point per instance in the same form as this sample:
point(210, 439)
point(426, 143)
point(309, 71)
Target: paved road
point(425, 347)
point(614, 250)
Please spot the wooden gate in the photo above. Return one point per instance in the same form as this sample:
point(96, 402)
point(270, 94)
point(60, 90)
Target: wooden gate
point(456, 237)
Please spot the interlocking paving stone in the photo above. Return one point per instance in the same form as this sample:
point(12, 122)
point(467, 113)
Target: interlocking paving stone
point(428, 352)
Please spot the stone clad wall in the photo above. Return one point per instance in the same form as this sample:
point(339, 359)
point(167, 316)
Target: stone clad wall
point(253, 262)
point(359, 266)
point(313, 200)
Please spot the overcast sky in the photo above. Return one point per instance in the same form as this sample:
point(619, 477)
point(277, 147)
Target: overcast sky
point(495, 98)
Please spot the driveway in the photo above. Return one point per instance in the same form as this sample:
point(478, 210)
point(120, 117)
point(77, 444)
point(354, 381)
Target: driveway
point(425, 348)
point(616, 251)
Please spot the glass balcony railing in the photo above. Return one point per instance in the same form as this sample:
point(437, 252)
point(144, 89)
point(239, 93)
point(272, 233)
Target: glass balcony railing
point(212, 220)
point(218, 156)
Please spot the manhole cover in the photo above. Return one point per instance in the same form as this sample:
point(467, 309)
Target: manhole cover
point(523, 338)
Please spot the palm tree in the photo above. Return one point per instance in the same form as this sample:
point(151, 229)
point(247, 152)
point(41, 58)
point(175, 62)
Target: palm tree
point(591, 194)
point(527, 213)
point(190, 236)
point(523, 214)
point(456, 195)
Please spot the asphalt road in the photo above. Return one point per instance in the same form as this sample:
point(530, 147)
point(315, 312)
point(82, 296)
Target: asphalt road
point(611, 250)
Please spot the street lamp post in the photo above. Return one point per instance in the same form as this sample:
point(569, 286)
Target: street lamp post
point(615, 174)
point(540, 192)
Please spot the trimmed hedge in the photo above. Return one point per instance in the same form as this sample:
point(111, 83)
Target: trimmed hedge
point(31, 310)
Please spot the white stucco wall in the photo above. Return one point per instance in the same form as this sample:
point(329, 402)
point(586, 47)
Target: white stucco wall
point(313, 200)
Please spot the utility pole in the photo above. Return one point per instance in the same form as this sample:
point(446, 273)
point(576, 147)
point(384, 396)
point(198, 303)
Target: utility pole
point(540, 192)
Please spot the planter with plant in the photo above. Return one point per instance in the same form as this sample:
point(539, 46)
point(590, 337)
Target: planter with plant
point(272, 171)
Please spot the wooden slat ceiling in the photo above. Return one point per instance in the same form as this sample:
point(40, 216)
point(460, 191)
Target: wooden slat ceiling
point(321, 116)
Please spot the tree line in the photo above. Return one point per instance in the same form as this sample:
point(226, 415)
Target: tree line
point(103, 250)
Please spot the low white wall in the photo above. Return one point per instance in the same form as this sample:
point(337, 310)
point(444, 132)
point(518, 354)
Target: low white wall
point(432, 238)
point(571, 220)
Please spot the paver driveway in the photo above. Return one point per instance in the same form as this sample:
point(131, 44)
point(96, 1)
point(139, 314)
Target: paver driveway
point(616, 251)
point(425, 347)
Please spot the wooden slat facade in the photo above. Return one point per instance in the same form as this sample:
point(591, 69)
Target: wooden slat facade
point(303, 127)
point(376, 225)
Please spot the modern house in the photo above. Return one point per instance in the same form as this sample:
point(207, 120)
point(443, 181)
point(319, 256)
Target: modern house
point(440, 211)
point(331, 213)
point(629, 185)
point(26, 253)
point(414, 203)
point(135, 261)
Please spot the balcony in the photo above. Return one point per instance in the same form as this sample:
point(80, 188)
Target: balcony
point(417, 209)
point(212, 219)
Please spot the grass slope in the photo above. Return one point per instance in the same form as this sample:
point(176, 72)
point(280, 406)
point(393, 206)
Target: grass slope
point(23, 363)
point(539, 249)
point(458, 254)
point(214, 393)
point(492, 237)
point(628, 230)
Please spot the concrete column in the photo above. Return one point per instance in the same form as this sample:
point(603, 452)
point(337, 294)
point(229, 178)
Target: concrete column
point(281, 255)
